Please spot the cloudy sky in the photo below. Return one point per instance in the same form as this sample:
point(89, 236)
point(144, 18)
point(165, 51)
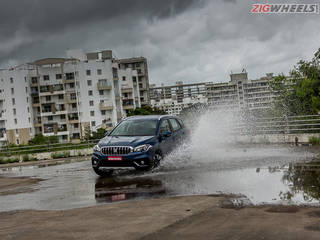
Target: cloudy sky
point(184, 40)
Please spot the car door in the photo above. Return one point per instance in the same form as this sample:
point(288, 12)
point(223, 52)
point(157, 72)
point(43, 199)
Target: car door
point(177, 132)
point(165, 142)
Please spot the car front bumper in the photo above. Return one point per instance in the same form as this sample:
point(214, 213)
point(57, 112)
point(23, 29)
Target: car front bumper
point(137, 160)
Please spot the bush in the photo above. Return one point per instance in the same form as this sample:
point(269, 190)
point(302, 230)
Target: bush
point(25, 158)
point(314, 140)
point(66, 154)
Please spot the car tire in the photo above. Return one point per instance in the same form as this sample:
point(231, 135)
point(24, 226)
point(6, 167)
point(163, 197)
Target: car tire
point(102, 173)
point(155, 161)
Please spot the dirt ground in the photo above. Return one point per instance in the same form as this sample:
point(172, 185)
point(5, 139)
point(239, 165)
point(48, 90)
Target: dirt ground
point(16, 185)
point(191, 217)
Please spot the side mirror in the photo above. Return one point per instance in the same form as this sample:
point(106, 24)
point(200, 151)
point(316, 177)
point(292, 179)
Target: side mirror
point(165, 134)
point(106, 133)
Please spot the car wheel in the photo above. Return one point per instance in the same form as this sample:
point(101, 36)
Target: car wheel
point(155, 160)
point(101, 173)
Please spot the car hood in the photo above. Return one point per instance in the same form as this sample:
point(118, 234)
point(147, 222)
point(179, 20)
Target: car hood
point(126, 141)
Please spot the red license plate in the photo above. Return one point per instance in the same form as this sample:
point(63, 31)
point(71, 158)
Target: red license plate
point(118, 197)
point(113, 158)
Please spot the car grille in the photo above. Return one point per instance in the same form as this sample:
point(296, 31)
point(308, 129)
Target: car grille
point(116, 150)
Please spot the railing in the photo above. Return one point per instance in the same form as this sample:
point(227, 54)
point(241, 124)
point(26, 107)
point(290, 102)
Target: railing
point(280, 125)
point(8, 150)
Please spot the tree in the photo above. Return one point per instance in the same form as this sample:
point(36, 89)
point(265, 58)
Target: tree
point(299, 94)
point(87, 132)
point(146, 110)
point(99, 133)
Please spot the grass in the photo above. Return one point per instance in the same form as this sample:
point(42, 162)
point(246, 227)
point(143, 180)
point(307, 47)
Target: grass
point(29, 149)
point(314, 140)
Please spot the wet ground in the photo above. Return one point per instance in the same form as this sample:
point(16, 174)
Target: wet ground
point(257, 175)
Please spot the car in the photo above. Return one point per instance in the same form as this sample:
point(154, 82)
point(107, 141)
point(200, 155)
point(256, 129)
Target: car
point(138, 142)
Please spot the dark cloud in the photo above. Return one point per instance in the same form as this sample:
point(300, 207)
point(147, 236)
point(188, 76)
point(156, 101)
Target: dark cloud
point(192, 41)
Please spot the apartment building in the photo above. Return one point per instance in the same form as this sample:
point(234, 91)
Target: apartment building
point(173, 99)
point(65, 96)
point(139, 64)
point(238, 93)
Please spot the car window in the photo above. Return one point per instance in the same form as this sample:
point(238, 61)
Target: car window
point(135, 128)
point(175, 125)
point(165, 127)
point(181, 122)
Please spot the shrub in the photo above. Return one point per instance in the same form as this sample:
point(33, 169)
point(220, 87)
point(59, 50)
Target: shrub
point(66, 154)
point(25, 158)
point(314, 140)
point(55, 155)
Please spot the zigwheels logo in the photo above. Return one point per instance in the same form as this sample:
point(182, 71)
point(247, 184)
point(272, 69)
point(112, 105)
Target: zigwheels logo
point(285, 8)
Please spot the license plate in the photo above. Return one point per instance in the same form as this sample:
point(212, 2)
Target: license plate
point(113, 158)
point(118, 197)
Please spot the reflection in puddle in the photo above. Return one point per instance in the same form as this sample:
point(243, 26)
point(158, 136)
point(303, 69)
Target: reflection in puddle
point(115, 189)
point(302, 179)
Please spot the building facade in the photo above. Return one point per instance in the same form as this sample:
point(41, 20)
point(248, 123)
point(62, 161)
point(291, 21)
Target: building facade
point(140, 65)
point(65, 96)
point(238, 93)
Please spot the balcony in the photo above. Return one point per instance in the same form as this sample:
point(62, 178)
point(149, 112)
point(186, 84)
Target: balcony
point(128, 107)
point(71, 100)
point(45, 114)
point(106, 106)
point(104, 86)
point(126, 90)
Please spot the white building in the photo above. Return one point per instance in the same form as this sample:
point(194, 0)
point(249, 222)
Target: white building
point(238, 93)
point(64, 96)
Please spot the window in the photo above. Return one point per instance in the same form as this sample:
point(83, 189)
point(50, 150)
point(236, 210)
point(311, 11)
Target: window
point(48, 98)
point(50, 118)
point(92, 113)
point(70, 76)
point(74, 105)
point(17, 132)
point(11, 80)
point(28, 109)
point(26, 89)
point(71, 85)
point(34, 80)
point(60, 96)
point(99, 71)
point(103, 112)
point(29, 120)
point(100, 92)
point(59, 76)
point(93, 123)
point(165, 127)
point(89, 82)
point(12, 90)
point(123, 78)
point(91, 103)
point(46, 77)
point(134, 79)
point(27, 99)
point(90, 93)
point(17, 141)
point(14, 111)
point(13, 101)
point(76, 125)
point(62, 117)
point(15, 121)
point(175, 125)
point(88, 72)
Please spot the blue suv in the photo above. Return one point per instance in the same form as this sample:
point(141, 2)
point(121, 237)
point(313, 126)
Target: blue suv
point(137, 142)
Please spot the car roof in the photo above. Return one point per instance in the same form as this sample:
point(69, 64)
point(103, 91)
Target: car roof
point(151, 117)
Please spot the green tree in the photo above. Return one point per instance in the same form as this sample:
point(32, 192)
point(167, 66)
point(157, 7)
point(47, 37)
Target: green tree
point(146, 110)
point(38, 140)
point(99, 133)
point(300, 93)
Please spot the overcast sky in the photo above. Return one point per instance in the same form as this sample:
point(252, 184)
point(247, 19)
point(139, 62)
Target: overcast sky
point(183, 40)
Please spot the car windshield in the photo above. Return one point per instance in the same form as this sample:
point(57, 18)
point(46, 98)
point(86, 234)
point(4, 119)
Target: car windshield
point(136, 128)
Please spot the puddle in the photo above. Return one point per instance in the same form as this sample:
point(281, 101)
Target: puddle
point(260, 180)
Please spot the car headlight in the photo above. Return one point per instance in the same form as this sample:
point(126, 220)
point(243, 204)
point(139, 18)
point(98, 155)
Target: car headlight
point(96, 148)
point(143, 148)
